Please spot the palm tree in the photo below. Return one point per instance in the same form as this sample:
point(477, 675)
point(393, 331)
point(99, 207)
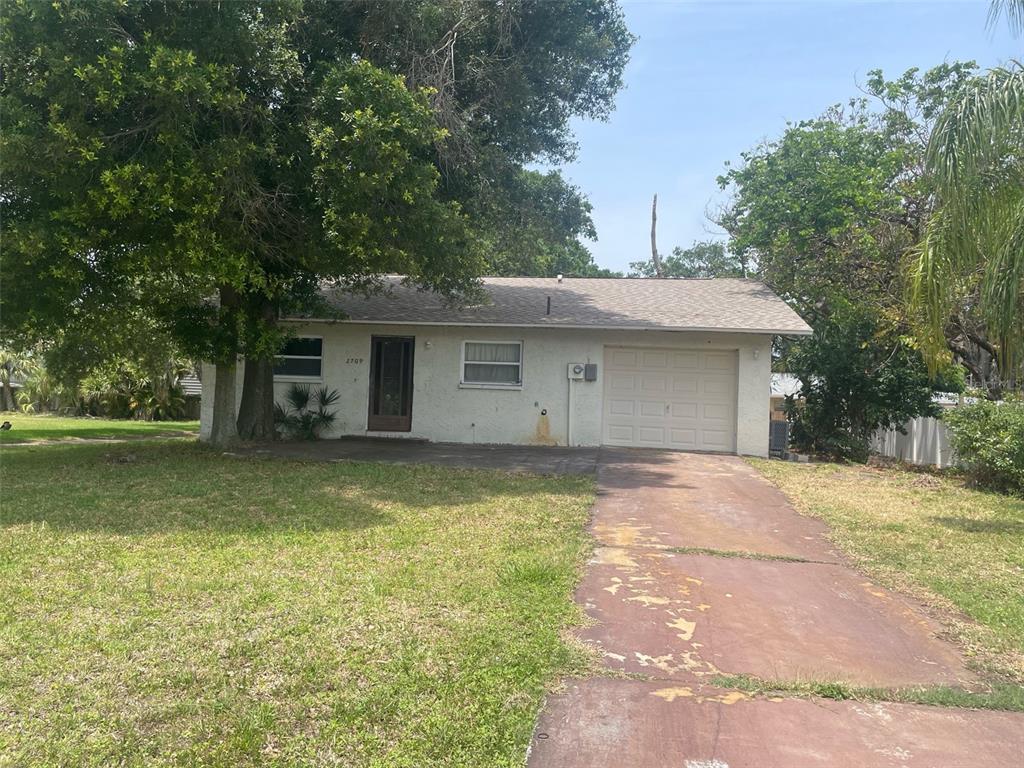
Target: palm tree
point(974, 243)
point(14, 368)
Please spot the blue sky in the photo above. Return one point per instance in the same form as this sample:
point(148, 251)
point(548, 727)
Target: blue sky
point(708, 80)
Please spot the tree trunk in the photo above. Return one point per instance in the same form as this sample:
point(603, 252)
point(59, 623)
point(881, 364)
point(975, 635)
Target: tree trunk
point(256, 411)
point(655, 258)
point(223, 429)
point(8, 393)
point(223, 426)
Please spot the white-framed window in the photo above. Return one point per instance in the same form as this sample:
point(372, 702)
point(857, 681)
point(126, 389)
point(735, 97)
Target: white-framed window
point(492, 363)
point(300, 358)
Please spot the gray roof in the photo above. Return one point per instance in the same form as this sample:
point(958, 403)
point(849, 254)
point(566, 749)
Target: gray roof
point(722, 304)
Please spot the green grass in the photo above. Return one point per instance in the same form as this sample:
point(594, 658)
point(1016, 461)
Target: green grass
point(166, 605)
point(1002, 696)
point(31, 428)
point(959, 549)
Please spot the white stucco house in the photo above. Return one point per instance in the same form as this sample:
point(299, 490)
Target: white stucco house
point(677, 364)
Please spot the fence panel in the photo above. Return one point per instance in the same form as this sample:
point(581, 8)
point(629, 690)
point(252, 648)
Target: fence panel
point(926, 443)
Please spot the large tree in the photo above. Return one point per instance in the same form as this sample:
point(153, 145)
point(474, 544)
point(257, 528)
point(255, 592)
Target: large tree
point(827, 213)
point(161, 153)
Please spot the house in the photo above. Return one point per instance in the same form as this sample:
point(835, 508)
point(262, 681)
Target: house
point(679, 364)
point(783, 385)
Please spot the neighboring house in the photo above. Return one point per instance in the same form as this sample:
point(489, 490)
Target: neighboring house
point(192, 389)
point(783, 385)
point(679, 364)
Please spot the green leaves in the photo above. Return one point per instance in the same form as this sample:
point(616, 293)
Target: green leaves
point(977, 232)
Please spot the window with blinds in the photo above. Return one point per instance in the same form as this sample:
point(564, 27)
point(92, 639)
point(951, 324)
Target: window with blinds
point(300, 358)
point(494, 363)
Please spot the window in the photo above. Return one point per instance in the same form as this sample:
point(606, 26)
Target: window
point(300, 358)
point(492, 363)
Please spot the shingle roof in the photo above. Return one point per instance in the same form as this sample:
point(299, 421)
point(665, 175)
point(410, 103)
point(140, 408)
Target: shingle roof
point(722, 304)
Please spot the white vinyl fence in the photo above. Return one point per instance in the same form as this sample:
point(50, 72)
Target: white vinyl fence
point(926, 442)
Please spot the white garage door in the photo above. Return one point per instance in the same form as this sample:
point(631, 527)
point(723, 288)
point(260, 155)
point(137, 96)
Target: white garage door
point(670, 398)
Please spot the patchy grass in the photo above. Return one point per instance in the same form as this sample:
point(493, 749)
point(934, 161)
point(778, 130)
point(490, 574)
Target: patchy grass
point(959, 549)
point(166, 605)
point(1002, 696)
point(27, 428)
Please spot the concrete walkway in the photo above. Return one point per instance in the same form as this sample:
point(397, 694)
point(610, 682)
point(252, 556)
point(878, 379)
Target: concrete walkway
point(703, 569)
point(543, 460)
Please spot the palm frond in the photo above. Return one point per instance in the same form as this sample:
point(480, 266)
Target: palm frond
point(298, 396)
point(325, 397)
point(976, 156)
point(974, 133)
point(1013, 10)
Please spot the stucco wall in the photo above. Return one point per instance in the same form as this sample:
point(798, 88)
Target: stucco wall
point(444, 411)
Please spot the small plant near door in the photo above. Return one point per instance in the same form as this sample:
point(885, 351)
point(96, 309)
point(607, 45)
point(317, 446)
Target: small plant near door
point(306, 411)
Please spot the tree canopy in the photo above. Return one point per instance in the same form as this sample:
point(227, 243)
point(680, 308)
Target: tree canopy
point(162, 154)
point(704, 259)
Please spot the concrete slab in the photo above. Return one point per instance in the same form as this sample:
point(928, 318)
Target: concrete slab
point(543, 460)
point(686, 617)
point(671, 499)
point(603, 723)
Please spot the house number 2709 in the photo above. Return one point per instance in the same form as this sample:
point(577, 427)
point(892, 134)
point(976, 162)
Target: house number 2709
point(354, 360)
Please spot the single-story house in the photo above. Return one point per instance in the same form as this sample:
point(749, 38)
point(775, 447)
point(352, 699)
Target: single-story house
point(679, 364)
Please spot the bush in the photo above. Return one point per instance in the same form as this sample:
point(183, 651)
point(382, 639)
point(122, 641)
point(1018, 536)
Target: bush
point(989, 440)
point(857, 378)
point(306, 412)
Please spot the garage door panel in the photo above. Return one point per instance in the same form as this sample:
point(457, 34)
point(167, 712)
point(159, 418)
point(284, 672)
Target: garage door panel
point(653, 382)
point(685, 361)
point(685, 384)
point(621, 433)
point(650, 358)
point(624, 358)
point(618, 407)
point(621, 382)
point(684, 439)
point(650, 435)
point(719, 361)
point(651, 408)
point(718, 386)
point(719, 412)
point(682, 399)
point(683, 410)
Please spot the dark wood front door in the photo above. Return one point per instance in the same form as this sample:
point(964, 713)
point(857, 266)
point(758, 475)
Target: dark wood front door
point(391, 383)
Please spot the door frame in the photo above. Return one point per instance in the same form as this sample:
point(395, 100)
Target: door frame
point(376, 423)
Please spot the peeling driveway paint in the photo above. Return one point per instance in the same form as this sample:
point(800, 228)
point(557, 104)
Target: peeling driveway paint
point(790, 621)
point(672, 621)
point(666, 499)
point(603, 723)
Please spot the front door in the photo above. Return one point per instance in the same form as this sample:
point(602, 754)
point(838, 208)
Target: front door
point(391, 383)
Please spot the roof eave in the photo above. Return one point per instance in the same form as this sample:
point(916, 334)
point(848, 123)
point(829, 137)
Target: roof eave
point(564, 326)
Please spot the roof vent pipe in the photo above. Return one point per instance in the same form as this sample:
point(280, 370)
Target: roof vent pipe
point(549, 306)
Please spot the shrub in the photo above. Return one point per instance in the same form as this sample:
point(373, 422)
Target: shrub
point(857, 377)
point(989, 440)
point(305, 413)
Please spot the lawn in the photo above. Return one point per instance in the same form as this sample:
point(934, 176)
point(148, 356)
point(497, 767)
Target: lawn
point(166, 605)
point(31, 428)
point(962, 550)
